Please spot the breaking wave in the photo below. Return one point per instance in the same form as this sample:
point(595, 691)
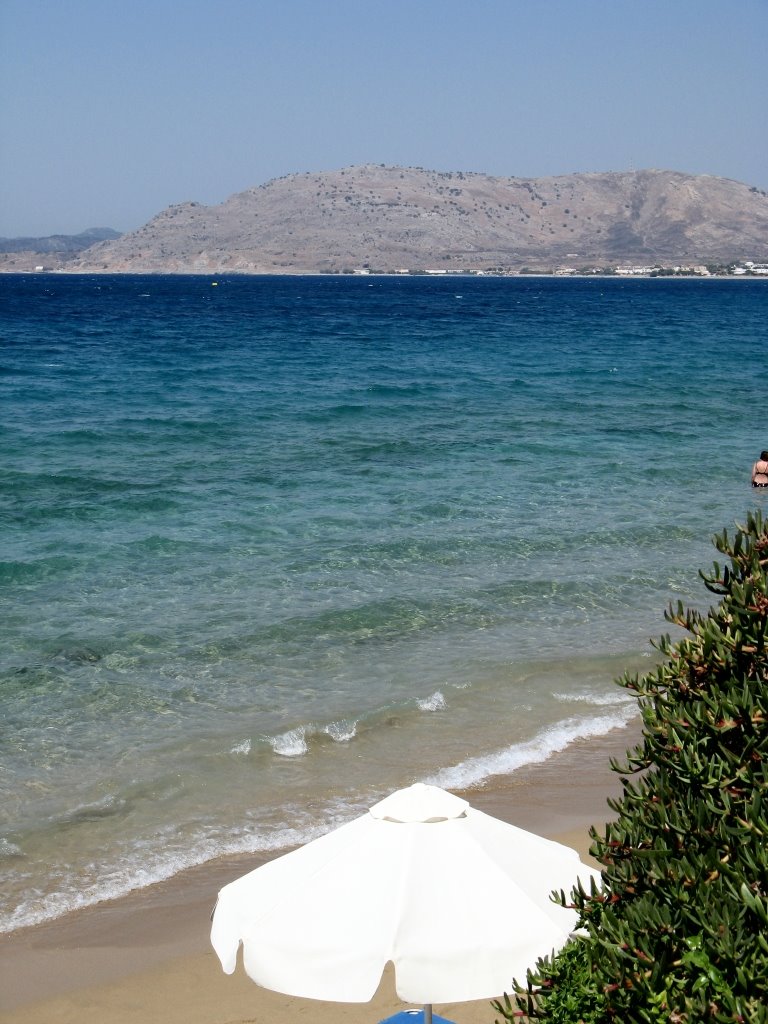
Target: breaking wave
point(436, 702)
point(549, 741)
point(290, 744)
point(341, 732)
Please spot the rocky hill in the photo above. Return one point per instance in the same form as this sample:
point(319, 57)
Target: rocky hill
point(397, 218)
point(52, 251)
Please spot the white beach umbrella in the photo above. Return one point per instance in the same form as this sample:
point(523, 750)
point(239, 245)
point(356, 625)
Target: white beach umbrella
point(458, 901)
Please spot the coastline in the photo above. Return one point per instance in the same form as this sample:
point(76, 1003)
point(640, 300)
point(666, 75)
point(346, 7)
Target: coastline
point(418, 275)
point(147, 955)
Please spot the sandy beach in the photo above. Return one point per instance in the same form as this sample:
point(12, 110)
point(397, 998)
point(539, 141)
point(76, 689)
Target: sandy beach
point(147, 957)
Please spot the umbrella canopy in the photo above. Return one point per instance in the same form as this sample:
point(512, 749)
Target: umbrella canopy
point(458, 901)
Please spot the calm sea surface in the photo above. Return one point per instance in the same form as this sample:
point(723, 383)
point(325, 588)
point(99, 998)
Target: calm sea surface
point(273, 547)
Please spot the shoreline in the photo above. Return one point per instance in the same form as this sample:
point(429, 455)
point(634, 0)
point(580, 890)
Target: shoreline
point(147, 955)
point(418, 275)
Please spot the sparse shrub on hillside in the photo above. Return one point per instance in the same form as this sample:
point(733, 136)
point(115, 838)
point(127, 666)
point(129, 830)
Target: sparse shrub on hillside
point(680, 931)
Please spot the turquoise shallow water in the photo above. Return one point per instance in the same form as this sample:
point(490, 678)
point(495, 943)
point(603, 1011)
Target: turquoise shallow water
point(274, 547)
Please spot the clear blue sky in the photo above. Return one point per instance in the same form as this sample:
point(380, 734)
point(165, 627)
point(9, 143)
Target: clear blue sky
point(110, 111)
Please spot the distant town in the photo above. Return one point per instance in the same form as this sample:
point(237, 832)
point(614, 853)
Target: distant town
point(748, 268)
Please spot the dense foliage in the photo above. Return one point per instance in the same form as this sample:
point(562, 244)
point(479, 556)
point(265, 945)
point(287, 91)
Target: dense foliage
point(679, 932)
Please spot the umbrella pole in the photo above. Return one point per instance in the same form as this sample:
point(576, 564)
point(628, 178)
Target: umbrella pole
point(428, 1013)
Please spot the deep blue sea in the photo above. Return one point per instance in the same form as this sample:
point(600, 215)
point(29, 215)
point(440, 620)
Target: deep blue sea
point(274, 547)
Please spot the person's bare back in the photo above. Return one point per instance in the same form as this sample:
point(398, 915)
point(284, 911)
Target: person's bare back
point(760, 471)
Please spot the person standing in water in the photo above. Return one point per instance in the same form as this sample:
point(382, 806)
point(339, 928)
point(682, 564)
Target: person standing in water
point(760, 471)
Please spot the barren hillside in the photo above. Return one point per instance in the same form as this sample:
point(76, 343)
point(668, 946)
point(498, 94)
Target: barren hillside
point(391, 218)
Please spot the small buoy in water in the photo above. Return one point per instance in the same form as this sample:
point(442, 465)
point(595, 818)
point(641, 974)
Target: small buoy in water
point(214, 284)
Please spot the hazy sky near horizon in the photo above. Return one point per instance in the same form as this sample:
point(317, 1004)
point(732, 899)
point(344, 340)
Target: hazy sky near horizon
point(110, 112)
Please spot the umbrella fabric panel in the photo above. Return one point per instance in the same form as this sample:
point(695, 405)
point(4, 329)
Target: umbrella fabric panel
point(466, 928)
point(540, 865)
point(316, 926)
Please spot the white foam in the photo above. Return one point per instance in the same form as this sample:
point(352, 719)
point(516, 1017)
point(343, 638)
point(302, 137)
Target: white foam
point(612, 699)
point(290, 744)
point(9, 849)
point(436, 702)
point(243, 748)
point(146, 865)
point(546, 743)
point(341, 732)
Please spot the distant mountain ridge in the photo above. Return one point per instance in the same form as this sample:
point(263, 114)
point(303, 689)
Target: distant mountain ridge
point(389, 219)
point(58, 243)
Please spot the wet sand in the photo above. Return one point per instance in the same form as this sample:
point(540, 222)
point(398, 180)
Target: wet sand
point(147, 957)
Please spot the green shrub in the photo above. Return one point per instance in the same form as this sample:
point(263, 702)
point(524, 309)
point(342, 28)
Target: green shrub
point(568, 990)
point(679, 932)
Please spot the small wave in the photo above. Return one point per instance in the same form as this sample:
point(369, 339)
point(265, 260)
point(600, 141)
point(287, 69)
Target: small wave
point(346, 409)
point(341, 732)
point(290, 744)
point(334, 412)
point(411, 390)
point(597, 699)
point(537, 750)
point(436, 702)
point(374, 450)
point(107, 807)
point(243, 748)
point(131, 873)
point(9, 850)
point(41, 569)
point(156, 545)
